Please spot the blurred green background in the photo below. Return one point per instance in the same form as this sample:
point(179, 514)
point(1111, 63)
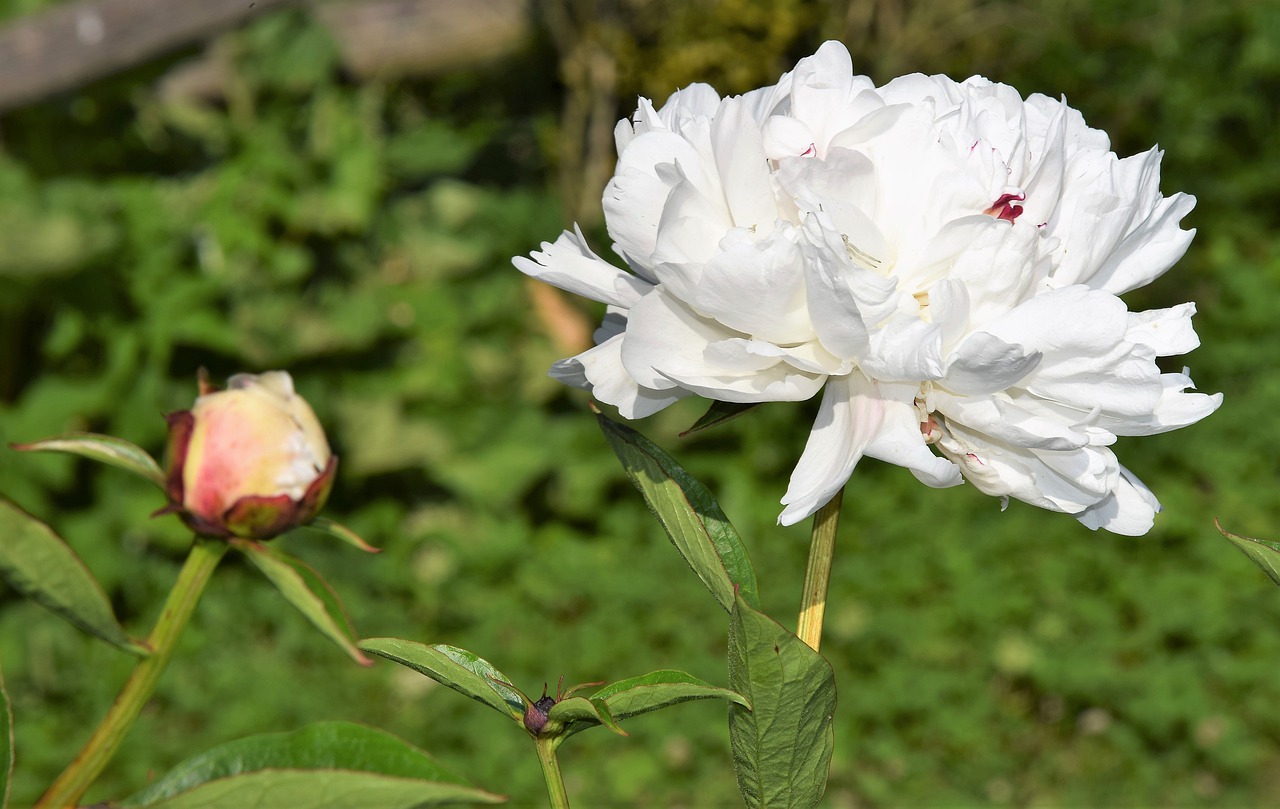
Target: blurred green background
point(356, 229)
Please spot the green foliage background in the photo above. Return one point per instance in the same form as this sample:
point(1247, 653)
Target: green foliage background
point(359, 235)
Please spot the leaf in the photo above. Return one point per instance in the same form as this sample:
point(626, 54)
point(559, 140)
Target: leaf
point(330, 764)
point(41, 566)
point(303, 587)
point(719, 413)
point(6, 746)
point(105, 448)
point(689, 514)
point(637, 695)
point(1263, 553)
point(659, 689)
point(782, 746)
point(457, 668)
point(339, 531)
point(579, 713)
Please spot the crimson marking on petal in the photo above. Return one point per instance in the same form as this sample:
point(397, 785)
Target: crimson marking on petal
point(1004, 207)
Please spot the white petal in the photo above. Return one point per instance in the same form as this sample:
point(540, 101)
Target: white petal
point(600, 371)
point(1167, 332)
point(571, 265)
point(901, 442)
point(1129, 510)
point(1002, 418)
point(743, 167)
point(986, 364)
point(1059, 481)
point(669, 345)
point(757, 289)
point(848, 419)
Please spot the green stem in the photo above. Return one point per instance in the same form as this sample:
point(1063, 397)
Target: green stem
point(551, 772)
point(102, 745)
point(822, 548)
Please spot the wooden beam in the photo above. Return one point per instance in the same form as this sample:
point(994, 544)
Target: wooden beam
point(73, 43)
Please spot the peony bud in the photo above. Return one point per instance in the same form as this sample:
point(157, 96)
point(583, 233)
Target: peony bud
point(249, 461)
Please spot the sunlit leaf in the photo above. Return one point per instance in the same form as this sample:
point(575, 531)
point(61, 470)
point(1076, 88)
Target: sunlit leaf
point(41, 566)
point(579, 713)
point(331, 765)
point(781, 746)
point(105, 448)
point(457, 668)
point(303, 587)
point(689, 514)
point(1263, 553)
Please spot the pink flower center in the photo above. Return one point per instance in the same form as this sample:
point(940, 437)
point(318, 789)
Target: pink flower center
point(1004, 208)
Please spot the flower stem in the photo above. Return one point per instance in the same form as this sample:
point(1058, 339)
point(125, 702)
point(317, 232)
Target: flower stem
point(551, 772)
point(102, 745)
point(822, 548)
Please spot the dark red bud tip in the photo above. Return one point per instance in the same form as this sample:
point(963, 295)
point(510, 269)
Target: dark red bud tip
point(258, 517)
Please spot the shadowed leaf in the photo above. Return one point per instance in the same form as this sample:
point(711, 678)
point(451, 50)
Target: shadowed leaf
point(781, 746)
point(331, 765)
point(41, 566)
point(689, 514)
point(303, 587)
point(457, 668)
point(718, 413)
point(341, 532)
point(105, 448)
point(1263, 553)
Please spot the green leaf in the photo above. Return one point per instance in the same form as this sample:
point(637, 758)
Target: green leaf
point(41, 566)
point(339, 531)
point(6, 746)
point(782, 746)
point(659, 689)
point(1263, 553)
point(105, 448)
point(303, 587)
point(457, 668)
point(718, 414)
point(330, 765)
point(689, 514)
point(579, 713)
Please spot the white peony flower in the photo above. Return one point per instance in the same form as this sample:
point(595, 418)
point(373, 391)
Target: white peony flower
point(941, 258)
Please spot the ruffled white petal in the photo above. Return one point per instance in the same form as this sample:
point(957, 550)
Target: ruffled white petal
point(849, 418)
point(571, 265)
point(600, 370)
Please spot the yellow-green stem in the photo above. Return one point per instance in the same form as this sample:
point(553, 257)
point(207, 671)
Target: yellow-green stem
point(551, 772)
point(102, 745)
point(822, 548)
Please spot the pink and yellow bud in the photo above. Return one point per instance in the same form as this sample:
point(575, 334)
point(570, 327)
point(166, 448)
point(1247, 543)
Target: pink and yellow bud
point(249, 461)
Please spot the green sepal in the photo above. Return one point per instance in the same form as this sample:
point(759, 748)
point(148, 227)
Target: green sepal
point(1262, 552)
point(304, 588)
point(782, 745)
point(341, 532)
point(688, 513)
point(718, 413)
point(459, 669)
point(104, 448)
point(322, 766)
point(43, 567)
point(574, 714)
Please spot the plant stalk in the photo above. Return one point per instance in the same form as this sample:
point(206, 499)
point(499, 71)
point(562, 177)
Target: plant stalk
point(551, 772)
point(71, 785)
point(817, 575)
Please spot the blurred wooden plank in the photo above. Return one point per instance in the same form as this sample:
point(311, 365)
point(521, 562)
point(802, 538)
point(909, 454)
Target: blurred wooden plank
point(422, 37)
point(73, 43)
